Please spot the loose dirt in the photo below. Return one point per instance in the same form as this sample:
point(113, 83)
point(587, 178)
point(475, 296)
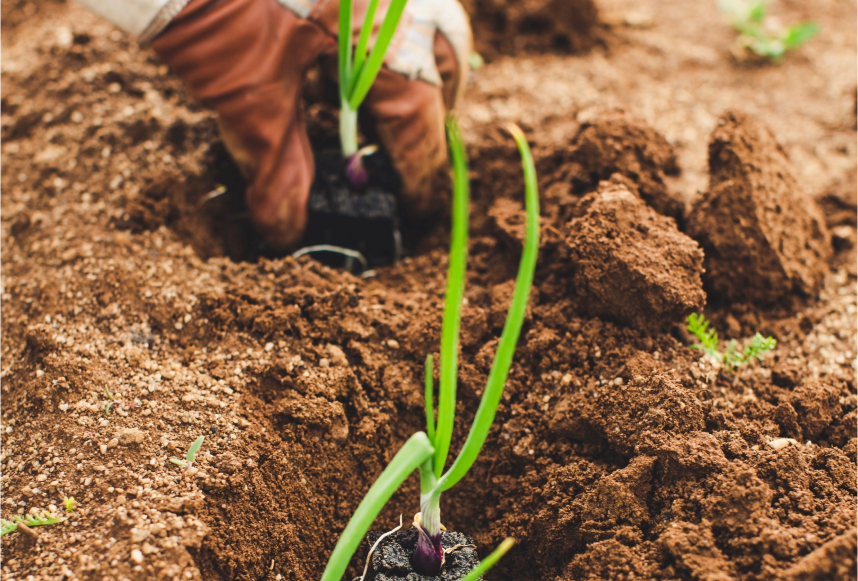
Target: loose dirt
point(617, 453)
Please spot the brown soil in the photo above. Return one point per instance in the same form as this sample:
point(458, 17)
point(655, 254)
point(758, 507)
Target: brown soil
point(618, 452)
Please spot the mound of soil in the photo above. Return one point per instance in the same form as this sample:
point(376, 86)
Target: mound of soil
point(764, 239)
point(629, 263)
point(512, 27)
point(616, 142)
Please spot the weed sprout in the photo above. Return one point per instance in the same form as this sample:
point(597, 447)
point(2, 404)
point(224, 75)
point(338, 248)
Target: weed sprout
point(190, 456)
point(113, 400)
point(31, 520)
point(762, 35)
point(357, 73)
point(732, 357)
point(427, 451)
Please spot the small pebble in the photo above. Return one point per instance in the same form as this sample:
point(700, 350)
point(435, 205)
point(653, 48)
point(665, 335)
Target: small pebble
point(781, 443)
point(269, 346)
point(137, 556)
point(393, 343)
point(103, 448)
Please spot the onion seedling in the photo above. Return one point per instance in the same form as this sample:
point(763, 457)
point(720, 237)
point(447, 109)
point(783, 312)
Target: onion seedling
point(357, 72)
point(427, 451)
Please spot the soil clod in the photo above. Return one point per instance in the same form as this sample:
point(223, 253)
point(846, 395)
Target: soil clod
point(631, 264)
point(765, 241)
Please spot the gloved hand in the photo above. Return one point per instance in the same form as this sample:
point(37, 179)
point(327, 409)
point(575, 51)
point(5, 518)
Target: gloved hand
point(248, 60)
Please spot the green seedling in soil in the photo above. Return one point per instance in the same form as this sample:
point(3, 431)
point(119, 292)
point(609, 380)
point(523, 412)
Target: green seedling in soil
point(732, 357)
point(113, 400)
point(31, 520)
point(69, 503)
point(427, 451)
point(190, 456)
point(762, 35)
point(357, 71)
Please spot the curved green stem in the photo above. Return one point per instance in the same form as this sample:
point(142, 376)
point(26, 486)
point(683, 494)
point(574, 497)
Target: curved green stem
point(430, 407)
point(363, 42)
point(509, 337)
point(373, 63)
point(453, 299)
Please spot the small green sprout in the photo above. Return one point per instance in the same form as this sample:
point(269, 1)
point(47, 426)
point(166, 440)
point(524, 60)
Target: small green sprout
point(113, 400)
point(732, 357)
point(31, 520)
point(427, 451)
point(761, 34)
point(69, 503)
point(190, 456)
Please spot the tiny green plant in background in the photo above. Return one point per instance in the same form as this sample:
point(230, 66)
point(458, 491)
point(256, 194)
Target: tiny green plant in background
point(761, 34)
point(732, 357)
point(427, 451)
point(69, 503)
point(190, 456)
point(112, 400)
point(31, 520)
point(357, 71)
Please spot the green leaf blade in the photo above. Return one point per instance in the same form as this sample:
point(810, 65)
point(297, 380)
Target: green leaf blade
point(453, 298)
point(345, 47)
point(369, 70)
point(363, 43)
point(489, 561)
point(512, 328)
point(430, 409)
point(416, 450)
point(798, 34)
point(7, 527)
point(195, 447)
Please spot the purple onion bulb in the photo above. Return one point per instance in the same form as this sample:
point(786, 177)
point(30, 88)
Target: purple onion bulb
point(428, 556)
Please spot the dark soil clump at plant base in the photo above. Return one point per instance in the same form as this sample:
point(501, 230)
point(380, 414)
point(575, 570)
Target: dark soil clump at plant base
point(617, 451)
point(392, 557)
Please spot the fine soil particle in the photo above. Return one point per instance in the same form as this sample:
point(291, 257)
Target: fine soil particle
point(392, 557)
point(629, 264)
point(765, 240)
point(615, 454)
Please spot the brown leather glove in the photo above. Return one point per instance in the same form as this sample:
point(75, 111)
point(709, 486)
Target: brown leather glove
point(248, 60)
